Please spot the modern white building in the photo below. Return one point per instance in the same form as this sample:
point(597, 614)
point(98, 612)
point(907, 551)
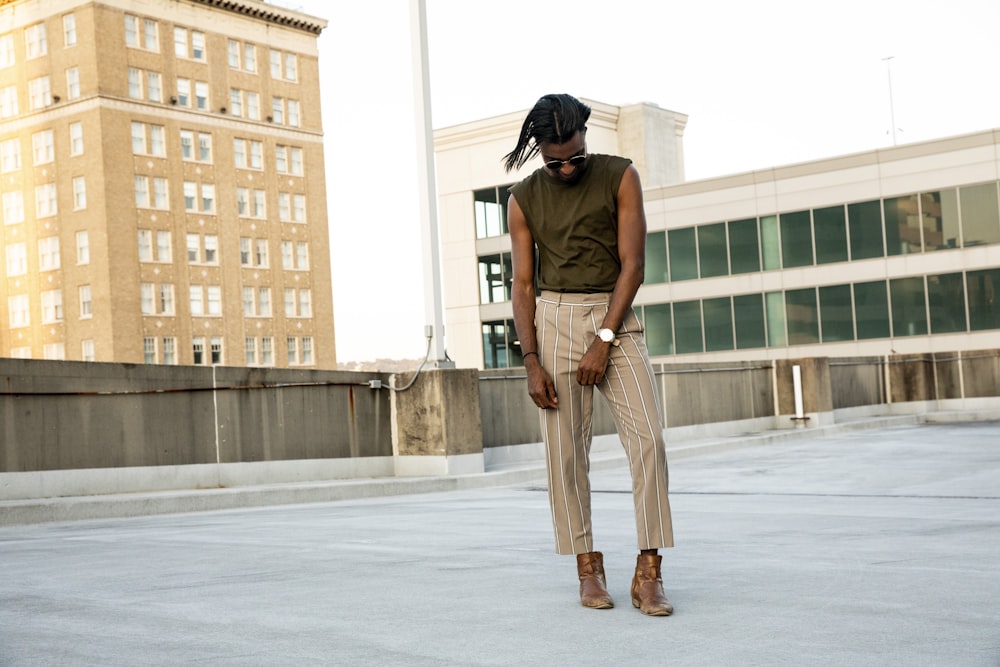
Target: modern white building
point(891, 251)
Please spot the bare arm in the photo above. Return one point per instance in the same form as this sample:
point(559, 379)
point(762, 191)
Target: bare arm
point(632, 254)
point(540, 385)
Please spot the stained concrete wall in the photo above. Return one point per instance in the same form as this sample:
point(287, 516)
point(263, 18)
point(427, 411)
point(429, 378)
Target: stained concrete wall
point(60, 415)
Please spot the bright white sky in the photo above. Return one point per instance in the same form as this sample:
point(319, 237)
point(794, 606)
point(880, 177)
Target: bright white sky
point(766, 83)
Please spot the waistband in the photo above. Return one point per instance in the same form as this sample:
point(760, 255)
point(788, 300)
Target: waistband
point(574, 298)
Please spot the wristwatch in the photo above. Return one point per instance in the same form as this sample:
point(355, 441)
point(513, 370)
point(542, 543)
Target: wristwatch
point(606, 335)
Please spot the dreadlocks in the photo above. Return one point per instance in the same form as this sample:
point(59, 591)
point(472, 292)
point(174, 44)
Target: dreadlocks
point(554, 119)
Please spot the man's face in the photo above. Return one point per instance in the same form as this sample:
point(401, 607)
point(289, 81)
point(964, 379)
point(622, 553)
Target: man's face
point(568, 170)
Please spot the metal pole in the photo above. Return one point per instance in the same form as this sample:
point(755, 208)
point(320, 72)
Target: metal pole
point(427, 187)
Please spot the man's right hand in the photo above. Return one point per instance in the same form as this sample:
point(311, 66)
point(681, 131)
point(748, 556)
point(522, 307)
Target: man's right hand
point(541, 388)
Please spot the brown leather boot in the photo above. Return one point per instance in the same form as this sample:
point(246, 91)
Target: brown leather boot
point(647, 587)
point(593, 586)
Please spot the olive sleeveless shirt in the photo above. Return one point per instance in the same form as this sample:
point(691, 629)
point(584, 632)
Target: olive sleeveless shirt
point(575, 226)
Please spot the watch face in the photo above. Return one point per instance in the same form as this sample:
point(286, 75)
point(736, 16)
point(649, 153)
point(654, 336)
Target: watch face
point(607, 335)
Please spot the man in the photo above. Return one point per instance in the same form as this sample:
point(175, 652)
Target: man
point(584, 214)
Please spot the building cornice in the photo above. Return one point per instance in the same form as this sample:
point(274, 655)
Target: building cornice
point(256, 9)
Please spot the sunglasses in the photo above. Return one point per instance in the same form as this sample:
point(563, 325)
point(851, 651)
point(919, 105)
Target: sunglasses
point(575, 161)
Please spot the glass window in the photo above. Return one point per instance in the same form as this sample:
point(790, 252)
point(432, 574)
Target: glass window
point(744, 249)
point(980, 214)
point(718, 324)
point(831, 234)
point(500, 345)
point(871, 309)
point(865, 224)
point(939, 218)
point(774, 303)
point(836, 313)
point(712, 255)
point(748, 314)
point(683, 256)
point(75, 139)
point(491, 212)
point(803, 320)
point(902, 225)
point(909, 307)
point(656, 257)
point(770, 249)
point(946, 299)
point(233, 53)
point(170, 350)
point(687, 326)
point(984, 299)
point(69, 30)
point(495, 278)
point(659, 329)
point(796, 239)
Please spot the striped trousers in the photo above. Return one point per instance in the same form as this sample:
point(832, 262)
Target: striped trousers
point(566, 325)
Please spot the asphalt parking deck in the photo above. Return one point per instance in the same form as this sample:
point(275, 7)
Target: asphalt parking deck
point(870, 547)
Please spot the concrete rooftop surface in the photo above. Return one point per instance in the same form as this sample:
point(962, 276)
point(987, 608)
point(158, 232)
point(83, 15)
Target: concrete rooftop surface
point(855, 547)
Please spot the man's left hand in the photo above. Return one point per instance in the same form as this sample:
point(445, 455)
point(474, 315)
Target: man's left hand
point(594, 363)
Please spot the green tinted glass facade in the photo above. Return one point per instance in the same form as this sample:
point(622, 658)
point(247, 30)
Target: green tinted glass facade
point(836, 313)
point(802, 316)
point(980, 214)
point(748, 313)
point(744, 249)
point(984, 299)
point(770, 248)
point(683, 252)
point(656, 258)
point(902, 225)
point(830, 225)
point(946, 302)
point(864, 224)
point(796, 239)
point(659, 329)
point(687, 327)
point(909, 307)
point(712, 253)
point(718, 315)
point(871, 309)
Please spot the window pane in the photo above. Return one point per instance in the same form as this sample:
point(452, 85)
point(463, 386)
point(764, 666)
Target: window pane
point(836, 313)
point(718, 324)
point(656, 257)
point(494, 345)
point(980, 215)
point(683, 254)
point(865, 224)
point(871, 308)
point(659, 329)
point(775, 308)
point(687, 325)
point(939, 217)
point(712, 250)
point(984, 299)
point(803, 323)
point(831, 234)
point(769, 248)
point(744, 250)
point(902, 225)
point(495, 274)
point(748, 311)
point(946, 298)
point(796, 239)
point(909, 308)
point(491, 212)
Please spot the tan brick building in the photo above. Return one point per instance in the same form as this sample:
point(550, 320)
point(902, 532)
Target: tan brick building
point(163, 185)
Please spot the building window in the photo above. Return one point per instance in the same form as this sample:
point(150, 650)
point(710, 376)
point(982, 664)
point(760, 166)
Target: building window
point(135, 83)
point(8, 102)
point(294, 113)
point(83, 247)
point(146, 304)
point(79, 193)
point(260, 258)
point(141, 186)
point(908, 306)
point(72, 83)
point(196, 300)
point(35, 42)
point(233, 53)
point(52, 306)
point(154, 87)
point(166, 299)
point(198, 350)
point(184, 92)
point(149, 350)
point(214, 300)
point(307, 351)
point(86, 302)
point(48, 253)
point(180, 42)
point(39, 93)
point(253, 105)
point(43, 147)
point(76, 139)
point(267, 351)
point(249, 302)
point(164, 247)
point(980, 214)
point(236, 102)
point(7, 57)
point(69, 30)
point(682, 253)
point(496, 277)
point(245, 252)
point(292, 345)
point(500, 347)
point(54, 351)
point(713, 259)
point(10, 155)
point(256, 155)
point(250, 350)
point(258, 205)
point(201, 95)
point(170, 350)
point(17, 259)
point(289, 302)
point(13, 207)
point(18, 309)
point(145, 245)
point(264, 302)
point(278, 110)
point(216, 350)
point(87, 351)
point(490, 207)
